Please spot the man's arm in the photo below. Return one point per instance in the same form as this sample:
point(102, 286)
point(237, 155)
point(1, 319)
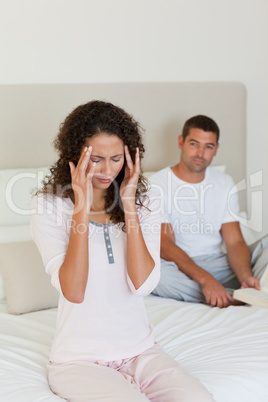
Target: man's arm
point(238, 254)
point(214, 292)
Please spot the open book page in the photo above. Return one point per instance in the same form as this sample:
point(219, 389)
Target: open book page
point(254, 296)
point(264, 281)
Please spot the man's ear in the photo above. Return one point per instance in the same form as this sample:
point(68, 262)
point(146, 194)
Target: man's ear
point(180, 141)
point(217, 147)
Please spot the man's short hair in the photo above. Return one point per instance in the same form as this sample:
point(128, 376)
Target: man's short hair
point(202, 122)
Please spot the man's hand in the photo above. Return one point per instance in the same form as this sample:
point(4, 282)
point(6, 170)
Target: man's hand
point(251, 282)
point(215, 294)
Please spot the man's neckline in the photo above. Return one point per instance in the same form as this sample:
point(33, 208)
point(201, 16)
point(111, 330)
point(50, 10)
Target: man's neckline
point(185, 181)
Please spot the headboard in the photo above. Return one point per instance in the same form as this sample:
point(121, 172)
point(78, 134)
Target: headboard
point(31, 114)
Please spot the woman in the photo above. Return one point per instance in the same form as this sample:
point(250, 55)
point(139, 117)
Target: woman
point(99, 237)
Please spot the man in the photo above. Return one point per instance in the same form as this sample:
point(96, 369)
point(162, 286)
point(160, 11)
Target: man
point(198, 213)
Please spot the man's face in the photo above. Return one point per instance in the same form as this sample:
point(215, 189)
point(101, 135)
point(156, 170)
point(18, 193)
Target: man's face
point(198, 149)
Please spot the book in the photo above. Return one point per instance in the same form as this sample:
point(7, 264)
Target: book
point(253, 296)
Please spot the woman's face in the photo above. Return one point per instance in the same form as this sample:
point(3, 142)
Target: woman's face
point(108, 154)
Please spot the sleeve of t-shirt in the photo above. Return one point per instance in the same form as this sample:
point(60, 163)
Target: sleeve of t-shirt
point(50, 234)
point(150, 222)
point(231, 213)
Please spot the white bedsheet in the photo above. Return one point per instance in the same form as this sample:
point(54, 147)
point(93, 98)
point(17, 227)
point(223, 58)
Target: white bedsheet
point(226, 349)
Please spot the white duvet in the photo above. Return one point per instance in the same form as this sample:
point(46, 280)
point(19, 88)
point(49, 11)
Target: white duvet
point(226, 349)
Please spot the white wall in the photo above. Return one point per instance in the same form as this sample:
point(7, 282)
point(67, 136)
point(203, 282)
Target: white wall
point(61, 41)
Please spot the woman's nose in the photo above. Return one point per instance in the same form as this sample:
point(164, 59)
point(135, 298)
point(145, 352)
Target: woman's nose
point(106, 169)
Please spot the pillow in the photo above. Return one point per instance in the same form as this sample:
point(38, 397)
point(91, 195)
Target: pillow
point(27, 285)
point(148, 174)
point(2, 291)
point(10, 234)
point(16, 189)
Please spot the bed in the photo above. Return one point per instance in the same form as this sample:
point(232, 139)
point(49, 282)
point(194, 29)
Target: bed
point(226, 349)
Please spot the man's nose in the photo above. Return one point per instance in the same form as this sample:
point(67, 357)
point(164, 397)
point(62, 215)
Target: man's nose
point(200, 152)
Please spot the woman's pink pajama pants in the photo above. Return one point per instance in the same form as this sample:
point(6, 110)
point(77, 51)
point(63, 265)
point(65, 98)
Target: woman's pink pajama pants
point(150, 376)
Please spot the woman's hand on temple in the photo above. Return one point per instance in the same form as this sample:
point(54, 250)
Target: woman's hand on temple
point(82, 181)
point(129, 184)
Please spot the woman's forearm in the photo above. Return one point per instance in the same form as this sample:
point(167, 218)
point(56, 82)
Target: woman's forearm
point(73, 274)
point(139, 261)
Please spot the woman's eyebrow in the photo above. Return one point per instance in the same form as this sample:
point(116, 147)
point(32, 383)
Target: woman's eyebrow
point(116, 156)
point(102, 157)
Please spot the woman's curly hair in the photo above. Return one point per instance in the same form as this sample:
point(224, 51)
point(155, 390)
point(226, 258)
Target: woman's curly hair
point(84, 122)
